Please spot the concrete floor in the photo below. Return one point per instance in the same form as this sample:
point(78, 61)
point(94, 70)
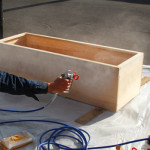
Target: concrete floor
point(117, 23)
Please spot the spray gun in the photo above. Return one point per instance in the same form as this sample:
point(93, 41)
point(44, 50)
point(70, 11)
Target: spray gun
point(66, 75)
point(70, 76)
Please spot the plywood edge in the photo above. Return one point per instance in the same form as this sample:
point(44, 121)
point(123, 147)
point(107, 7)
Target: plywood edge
point(122, 55)
point(116, 106)
point(139, 54)
point(13, 37)
point(74, 41)
point(86, 43)
point(29, 48)
point(130, 74)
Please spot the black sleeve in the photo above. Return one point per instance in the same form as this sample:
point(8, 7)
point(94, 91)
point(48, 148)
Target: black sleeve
point(20, 86)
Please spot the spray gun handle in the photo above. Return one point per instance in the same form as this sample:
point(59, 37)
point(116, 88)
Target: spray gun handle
point(70, 76)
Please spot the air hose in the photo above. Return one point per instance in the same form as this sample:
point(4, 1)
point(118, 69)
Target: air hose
point(33, 110)
point(79, 135)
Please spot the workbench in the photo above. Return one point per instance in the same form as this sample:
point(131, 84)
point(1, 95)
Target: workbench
point(129, 123)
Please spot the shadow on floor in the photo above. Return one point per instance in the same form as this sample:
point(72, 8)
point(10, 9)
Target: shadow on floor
point(146, 2)
point(34, 5)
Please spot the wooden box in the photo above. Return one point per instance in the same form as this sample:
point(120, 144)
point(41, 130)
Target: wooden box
point(109, 77)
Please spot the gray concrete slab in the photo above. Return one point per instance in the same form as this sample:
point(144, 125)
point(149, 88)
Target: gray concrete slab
point(117, 23)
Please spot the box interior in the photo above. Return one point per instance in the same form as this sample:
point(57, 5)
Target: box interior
point(75, 49)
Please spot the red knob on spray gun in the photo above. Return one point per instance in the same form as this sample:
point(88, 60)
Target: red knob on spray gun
point(70, 76)
point(75, 76)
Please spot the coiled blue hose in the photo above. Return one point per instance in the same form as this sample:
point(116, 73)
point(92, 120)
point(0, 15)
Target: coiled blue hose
point(81, 136)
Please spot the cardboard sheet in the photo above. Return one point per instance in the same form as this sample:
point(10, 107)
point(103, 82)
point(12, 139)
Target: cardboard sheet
point(130, 123)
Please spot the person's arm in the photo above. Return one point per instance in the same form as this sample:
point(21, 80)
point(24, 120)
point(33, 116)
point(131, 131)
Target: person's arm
point(15, 85)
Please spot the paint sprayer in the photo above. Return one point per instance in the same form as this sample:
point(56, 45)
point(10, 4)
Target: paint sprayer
point(67, 75)
point(70, 76)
